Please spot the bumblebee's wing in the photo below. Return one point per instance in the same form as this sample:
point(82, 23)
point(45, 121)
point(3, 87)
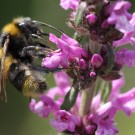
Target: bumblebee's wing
point(2, 76)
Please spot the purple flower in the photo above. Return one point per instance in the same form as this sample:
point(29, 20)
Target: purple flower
point(54, 60)
point(68, 46)
point(125, 57)
point(64, 121)
point(103, 116)
point(104, 119)
point(122, 101)
point(116, 87)
point(69, 49)
point(69, 4)
point(44, 106)
point(123, 21)
point(125, 101)
point(128, 29)
point(106, 128)
point(118, 9)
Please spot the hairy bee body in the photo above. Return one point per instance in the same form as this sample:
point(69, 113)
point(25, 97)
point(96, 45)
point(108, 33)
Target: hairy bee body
point(28, 81)
point(18, 50)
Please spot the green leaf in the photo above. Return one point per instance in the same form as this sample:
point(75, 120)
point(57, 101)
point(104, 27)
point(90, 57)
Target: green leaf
point(70, 99)
point(111, 57)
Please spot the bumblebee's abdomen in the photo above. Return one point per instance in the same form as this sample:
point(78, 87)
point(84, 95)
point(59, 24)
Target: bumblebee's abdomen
point(33, 87)
point(29, 82)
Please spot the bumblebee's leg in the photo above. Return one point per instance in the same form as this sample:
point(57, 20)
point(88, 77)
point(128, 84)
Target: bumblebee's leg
point(46, 70)
point(42, 45)
point(40, 69)
point(39, 37)
point(2, 70)
point(37, 51)
point(34, 35)
point(37, 48)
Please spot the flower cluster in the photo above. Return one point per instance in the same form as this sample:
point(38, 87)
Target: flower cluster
point(96, 54)
point(101, 118)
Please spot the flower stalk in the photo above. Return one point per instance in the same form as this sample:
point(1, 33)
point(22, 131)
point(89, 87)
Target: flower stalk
point(86, 100)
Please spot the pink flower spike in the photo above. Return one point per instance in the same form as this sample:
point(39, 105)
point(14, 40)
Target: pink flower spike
point(92, 18)
point(96, 60)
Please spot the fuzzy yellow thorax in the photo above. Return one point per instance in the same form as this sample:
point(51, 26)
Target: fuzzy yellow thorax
point(11, 29)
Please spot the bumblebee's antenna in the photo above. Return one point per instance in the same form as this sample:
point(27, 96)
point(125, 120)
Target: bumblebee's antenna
point(48, 25)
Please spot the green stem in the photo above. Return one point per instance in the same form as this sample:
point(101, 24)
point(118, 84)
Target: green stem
point(86, 99)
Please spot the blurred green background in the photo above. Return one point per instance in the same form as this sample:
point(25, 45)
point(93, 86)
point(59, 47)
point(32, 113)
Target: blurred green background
point(15, 116)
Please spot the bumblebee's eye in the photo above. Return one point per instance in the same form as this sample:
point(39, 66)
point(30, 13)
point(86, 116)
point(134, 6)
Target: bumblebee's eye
point(29, 28)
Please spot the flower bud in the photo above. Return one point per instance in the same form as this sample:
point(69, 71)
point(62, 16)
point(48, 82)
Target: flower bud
point(82, 64)
point(92, 18)
point(92, 74)
point(96, 60)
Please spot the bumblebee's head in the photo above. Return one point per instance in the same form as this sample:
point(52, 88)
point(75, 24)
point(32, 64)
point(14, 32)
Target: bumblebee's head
point(24, 26)
point(27, 26)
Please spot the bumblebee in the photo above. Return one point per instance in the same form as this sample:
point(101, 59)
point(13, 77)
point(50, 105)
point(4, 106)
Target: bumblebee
point(20, 46)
